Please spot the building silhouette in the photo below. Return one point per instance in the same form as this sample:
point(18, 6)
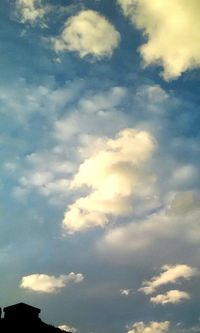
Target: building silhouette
point(23, 318)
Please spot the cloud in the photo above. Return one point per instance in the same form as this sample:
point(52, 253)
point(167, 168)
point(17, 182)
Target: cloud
point(172, 296)
point(67, 328)
point(125, 292)
point(170, 274)
point(31, 11)
point(175, 223)
point(88, 33)
point(151, 327)
point(114, 171)
point(172, 31)
point(48, 283)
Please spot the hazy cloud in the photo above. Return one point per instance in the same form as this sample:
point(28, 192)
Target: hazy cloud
point(88, 33)
point(172, 296)
point(125, 292)
point(49, 283)
point(172, 29)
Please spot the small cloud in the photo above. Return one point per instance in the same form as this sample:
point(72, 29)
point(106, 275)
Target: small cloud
point(170, 274)
point(125, 292)
point(88, 33)
point(49, 283)
point(31, 11)
point(151, 327)
point(172, 296)
point(67, 328)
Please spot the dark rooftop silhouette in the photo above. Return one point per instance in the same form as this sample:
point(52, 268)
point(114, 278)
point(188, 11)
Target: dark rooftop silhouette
point(22, 317)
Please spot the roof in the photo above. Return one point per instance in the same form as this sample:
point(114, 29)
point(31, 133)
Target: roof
point(22, 306)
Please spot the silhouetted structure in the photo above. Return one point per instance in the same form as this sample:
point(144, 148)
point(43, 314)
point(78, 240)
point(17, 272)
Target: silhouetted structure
point(20, 311)
point(23, 318)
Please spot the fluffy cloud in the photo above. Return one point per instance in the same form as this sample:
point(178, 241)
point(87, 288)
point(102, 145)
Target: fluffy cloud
point(88, 33)
point(151, 327)
point(114, 172)
point(172, 31)
point(31, 11)
point(170, 274)
point(172, 296)
point(48, 283)
point(67, 328)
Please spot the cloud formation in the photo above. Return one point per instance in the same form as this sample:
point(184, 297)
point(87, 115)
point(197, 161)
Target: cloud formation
point(172, 31)
point(31, 11)
point(88, 33)
point(172, 296)
point(151, 327)
point(114, 171)
point(48, 283)
point(67, 328)
point(170, 274)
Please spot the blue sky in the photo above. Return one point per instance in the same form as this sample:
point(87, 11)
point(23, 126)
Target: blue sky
point(99, 150)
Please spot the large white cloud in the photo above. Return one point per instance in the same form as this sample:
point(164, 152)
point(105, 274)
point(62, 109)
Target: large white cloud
point(48, 283)
point(31, 11)
point(151, 327)
point(172, 31)
point(88, 33)
point(114, 171)
point(170, 274)
point(171, 296)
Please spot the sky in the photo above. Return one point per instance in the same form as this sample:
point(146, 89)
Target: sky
point(100, 153)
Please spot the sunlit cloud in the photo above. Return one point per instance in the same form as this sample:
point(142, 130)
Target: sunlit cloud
point(114, 171)
point(88, 33)
point(48, 283)
point(172, 297)
point(151, 327)
point(172, 31)
point(170, 274)
point(67, 328)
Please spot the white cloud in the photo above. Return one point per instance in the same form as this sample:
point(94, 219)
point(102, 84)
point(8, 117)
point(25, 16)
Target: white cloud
point(151, 327)
point(67, 328)
point(172, 296)
point(31, 11)
point(172, 31)
point(176, 223)
point(114, 171)
point(49, 283)
point(88, 33)
point(170, 274)
point(125, 292)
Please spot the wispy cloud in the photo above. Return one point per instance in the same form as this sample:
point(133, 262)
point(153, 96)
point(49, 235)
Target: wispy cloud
point(172, 29)
point(48, 283)
point(170, 274)
point(88, 33)
point(171, 296)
